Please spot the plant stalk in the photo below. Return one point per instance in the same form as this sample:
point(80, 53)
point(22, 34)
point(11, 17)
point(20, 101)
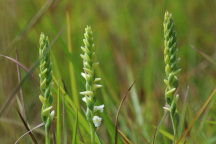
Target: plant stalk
point(47, 137)
point(92, 128)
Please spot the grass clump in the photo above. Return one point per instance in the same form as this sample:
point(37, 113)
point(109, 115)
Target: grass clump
point(45, 86)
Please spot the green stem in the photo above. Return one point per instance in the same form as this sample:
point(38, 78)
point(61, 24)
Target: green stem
point(92, 128)
point(47, 138)
point(174, 127)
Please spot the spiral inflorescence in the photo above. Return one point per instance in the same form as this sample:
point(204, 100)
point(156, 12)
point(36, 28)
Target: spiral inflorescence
point(171, 69)
point(45, 82)
point(91, 81)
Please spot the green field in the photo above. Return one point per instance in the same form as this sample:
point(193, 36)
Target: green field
point(129, 46)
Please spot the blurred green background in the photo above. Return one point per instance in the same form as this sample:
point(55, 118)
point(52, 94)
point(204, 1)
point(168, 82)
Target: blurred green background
point(129, 46)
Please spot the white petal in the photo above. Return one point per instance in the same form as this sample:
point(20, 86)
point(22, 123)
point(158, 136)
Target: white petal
point(97, 121)
point(52, 114)
point(100, 108)
point(84, 75)
point(84, 99)
point(97, 79)
point(88, 93)
point(95, 86)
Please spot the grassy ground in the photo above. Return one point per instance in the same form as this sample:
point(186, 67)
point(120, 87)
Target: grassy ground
point(129, 46)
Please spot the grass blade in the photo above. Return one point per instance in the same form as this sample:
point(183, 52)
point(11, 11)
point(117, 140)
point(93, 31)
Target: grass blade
point(166, 134)
point(205, 56)
point(27, 128)
point(40, 125)
point(124, 137)
point(121, 103)
point(158, 127)
point(32, 22)
point(21, 65)
point(135, 99)
point(198, 114)
point(58, 131)
point(75, 129)
point(21, 91)
point(71, 67)
point(182, 119)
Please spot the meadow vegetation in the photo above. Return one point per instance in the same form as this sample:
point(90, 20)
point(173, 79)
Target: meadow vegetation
point(107, 72)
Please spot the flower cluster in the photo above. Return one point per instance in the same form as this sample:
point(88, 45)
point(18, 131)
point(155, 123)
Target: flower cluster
point(90, 77)
point(45, 85)
point(171, 69)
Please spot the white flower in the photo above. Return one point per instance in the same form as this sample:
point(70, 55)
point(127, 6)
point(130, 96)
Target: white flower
point(97, 121)
point(84, 99)
point(96, 86)
point(100, 108)
point(166, 107)
point(88, 93)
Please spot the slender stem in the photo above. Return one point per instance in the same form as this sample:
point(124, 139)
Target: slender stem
point(92, 133)
point(174, 128)
point(47, 138)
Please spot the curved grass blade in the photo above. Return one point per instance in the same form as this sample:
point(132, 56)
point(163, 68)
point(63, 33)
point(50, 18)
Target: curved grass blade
point(21, 65)
point(21, 91)
point(19, 124)
point(27, 128)
point(121, 103)
point(208, 58)
point(40, 125)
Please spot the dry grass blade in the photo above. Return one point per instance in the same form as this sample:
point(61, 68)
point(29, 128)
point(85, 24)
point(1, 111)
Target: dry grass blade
point(119, 108)
point(21, 65)
point(27, 128)
point(198, 114)
point(54, 138)
point(126, 140)
point(21, 91)
point(40, 125)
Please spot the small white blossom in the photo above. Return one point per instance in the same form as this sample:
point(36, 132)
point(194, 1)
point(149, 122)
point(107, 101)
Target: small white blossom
point(100, 108)
point(95, 86)
point(166, 107)
point(97, 121)
point(88, 93)
point(97, 79)
point(84, 99)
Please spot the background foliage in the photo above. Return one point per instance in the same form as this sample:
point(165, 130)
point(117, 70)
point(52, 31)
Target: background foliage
point(129, 46)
